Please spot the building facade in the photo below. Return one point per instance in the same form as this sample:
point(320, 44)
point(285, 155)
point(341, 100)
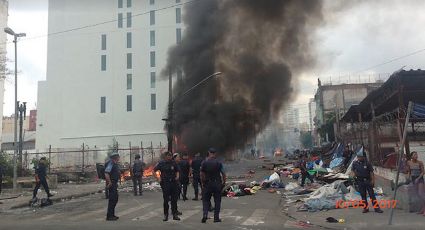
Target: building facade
point(3, 40)
point(291, 127)
point(335, 100)
point(104, 79)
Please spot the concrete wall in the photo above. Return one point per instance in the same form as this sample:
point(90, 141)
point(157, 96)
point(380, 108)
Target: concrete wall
point(69, 99)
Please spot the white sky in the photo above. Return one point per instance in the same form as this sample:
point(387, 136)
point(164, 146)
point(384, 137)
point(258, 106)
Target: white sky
point(356, 36)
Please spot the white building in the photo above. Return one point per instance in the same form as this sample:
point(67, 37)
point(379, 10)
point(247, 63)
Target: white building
point(3, 40)
point(103, 81)
point(291, 127)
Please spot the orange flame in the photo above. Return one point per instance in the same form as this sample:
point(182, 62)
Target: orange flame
point(149, 172)
point(126, 175)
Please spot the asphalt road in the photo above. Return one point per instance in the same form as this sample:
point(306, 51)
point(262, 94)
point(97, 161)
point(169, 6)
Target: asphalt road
point(260, 211)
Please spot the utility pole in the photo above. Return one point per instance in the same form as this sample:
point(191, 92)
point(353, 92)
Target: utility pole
point(22, 108)
point(15, 40)
point(170, 113)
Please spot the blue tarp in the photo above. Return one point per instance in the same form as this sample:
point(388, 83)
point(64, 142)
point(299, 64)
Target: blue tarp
point(339, 151)
point(418, 111)
point(336, 162)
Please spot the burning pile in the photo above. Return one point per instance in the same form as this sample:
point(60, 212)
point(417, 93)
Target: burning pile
point(258, 46)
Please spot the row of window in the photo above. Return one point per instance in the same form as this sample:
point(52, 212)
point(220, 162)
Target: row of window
point(129, 61)
point(151, 18)
point(152, 39)
point(121, 3)
point(129, 103)
point(130, 80)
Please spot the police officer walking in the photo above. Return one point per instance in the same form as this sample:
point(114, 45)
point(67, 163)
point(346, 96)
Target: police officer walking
point(213, 178)
point(365, 179)
point(169, 184)
point(112, 176)
point(196, 170)
point(137, 172)
point(184, 166)
point(40, 178)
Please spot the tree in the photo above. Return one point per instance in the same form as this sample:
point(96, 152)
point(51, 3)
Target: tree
point(328, 127)
point(306, 139)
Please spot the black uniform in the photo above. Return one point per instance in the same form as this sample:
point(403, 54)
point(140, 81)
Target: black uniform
point(304, 173)
point(196, 170)
point(184, 166)
point(137, 176)
point(213, 185)
point(169, 185)
point(114, 172)
point(362, 171)
point(41, 172)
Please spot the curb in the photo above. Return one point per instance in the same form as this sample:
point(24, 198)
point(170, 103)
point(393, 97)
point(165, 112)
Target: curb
point(23, 205)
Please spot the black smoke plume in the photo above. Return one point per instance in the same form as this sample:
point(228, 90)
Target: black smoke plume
point(258, 45)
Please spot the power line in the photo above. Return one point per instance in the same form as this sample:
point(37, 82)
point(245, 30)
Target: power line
point(392, 60)
point(102, 23)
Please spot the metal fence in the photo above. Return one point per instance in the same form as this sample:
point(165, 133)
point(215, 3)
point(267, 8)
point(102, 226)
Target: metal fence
point(84, 159)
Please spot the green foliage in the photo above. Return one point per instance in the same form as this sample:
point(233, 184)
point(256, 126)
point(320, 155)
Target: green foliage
point(328, 127)
point(306, 140)
point(6, 162)
point(113, 148)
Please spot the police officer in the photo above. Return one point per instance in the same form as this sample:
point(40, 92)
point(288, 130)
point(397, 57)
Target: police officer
point(365, 179)
point(137, 171)
point(196, 170)
point(40, 178)
point(169, 184)
point(112, 176)
point(184, 166)
point(213, 178)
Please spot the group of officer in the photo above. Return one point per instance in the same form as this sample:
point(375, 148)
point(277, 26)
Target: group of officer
point(174, 179)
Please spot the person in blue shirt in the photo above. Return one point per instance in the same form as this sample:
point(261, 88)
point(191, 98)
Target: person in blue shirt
point(196, 174)
point(184, 166)
point(41, 178)
point(213, 179)
point(112, 176)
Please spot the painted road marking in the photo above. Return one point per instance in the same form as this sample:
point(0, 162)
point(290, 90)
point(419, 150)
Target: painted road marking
point(257, 217)
point(156, 212)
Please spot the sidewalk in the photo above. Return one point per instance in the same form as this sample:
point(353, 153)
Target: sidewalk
point(355, 219)
point(63, 191)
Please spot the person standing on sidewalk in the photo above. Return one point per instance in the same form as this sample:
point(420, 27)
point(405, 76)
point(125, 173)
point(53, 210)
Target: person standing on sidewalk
point(112, 175)
point(415, 170)
point(196, 174)
point(41, 178)
point(184, 166)
point(304, 171)
point(365, 179)
point(169, 184)
point(137, 172)
point(213, 178)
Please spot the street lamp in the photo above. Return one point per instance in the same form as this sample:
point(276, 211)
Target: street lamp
point(15, 40)
point(169, 119)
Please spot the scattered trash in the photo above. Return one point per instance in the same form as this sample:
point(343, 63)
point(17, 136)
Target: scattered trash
point(271, 190)
point(341, 221)
point(278, 192)
point(291, 186)
point(331, 220)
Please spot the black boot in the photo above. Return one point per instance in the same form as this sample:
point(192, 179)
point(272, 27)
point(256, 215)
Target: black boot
point(176, 217)
point(165, 217)
point(204, 219)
